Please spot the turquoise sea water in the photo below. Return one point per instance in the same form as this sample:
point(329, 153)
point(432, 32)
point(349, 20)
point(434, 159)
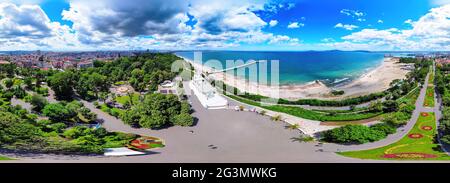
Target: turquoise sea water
point(330, 67)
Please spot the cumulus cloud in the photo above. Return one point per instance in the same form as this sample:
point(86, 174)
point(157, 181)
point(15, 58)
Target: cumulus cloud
point(109, 18)
point(429, 32)
point(345, 26)
point(295, 25)
point(380, 21)
point(409, 21)
point(216, 17)
point(23, 21)
point(25, 27)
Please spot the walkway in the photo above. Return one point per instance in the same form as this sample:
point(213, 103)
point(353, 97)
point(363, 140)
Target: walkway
point(401, 132)
point(236, 67)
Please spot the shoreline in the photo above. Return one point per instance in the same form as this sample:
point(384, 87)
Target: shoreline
point(377, 79)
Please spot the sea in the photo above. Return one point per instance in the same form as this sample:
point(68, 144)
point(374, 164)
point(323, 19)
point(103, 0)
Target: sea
point(301, 67)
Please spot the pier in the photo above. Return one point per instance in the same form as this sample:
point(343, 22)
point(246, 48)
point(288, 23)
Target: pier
point(237, 67)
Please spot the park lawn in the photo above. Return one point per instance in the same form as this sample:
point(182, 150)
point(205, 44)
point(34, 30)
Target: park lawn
point(429, 98)
point(309, 114)
point(431, 78)
point(408, 148)
point(116, 112)
point(125, 99)
point(410, 98)
point(4, 158)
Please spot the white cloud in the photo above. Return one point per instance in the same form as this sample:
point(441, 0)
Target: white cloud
point(327, 40)
point(273, 23)
point(429, 32)
point(380, 21)
point(440, 2)
point(295, 25)
point(409, 21)
point(23, 21)
point(290, 6)
point(345, 26)
point(221, 16)
point(353, 13)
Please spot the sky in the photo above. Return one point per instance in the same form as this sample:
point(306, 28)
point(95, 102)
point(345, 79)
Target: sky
point(83, 25)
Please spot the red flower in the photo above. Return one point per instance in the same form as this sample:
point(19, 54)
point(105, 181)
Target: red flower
point(415, 135)
point(409, 155)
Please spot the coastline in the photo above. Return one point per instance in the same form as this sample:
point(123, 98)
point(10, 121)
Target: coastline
point(376, 79)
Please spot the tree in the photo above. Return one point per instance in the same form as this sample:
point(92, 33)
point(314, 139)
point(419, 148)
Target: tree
point(13, 129)
point(62, 84)
point(376, 106)
point(185, 107)
point(390, 106)
point(29, 83)
point(183, 119)
point(156, 110)
point(38, 102)
point(8, 83)
point(155, 120)
point(19, 92)
point(103, 96)
point(58, 112)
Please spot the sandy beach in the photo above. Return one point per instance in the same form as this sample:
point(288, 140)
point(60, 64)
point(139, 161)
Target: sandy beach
point(376, 80)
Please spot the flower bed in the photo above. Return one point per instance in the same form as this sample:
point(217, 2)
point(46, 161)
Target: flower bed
point(143, 143)
point(409, 155)
point(424, 114)
point(427, 128)
point(415, 135)
point(418, 144)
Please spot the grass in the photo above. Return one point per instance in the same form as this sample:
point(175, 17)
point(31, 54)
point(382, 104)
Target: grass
point(5, 158)
point(429, 98)
point(308, 114)
point(408, 148)
point(111, 111)
point(119, 83)
point(125, 99)
point(410, 98)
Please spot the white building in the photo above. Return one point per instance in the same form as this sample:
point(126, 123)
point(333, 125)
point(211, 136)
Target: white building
point(207, 94)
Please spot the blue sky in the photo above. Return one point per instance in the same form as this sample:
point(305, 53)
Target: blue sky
point(234, 24)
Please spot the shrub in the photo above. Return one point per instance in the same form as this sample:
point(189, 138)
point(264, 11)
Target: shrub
point(58, 112)
point(337, 92)
point(396, 119)
point(96, 104)
point(303, 138)
point(183, 119)
point(43, 91)
point(384, 127)
point(276, 118)
point(390, 106)
point(446, 139)
point(185, 107)
point(262, 112)
point(353, 134)
point(38, 102)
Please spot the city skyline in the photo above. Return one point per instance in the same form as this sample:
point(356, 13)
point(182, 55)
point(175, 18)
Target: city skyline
point(294, 25)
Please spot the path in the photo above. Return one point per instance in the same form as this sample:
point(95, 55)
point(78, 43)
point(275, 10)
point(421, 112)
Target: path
point(401, 132)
